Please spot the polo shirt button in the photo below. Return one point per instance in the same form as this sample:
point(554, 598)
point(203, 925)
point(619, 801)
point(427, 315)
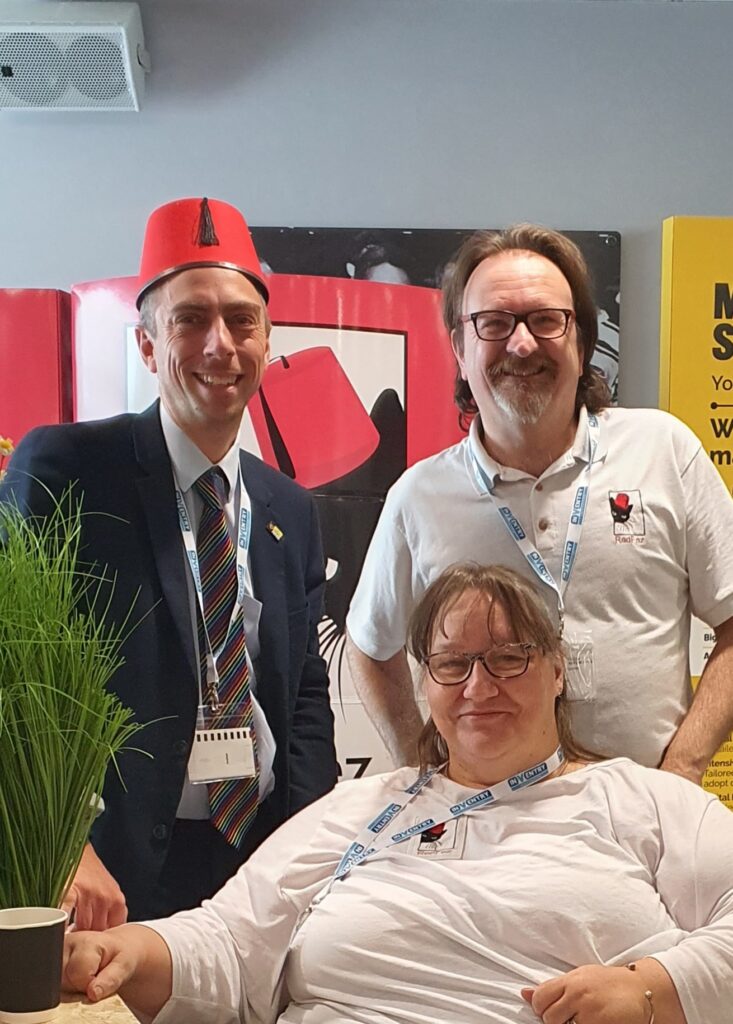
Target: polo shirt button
point(543, 524)
point(160, 832)
point(539, 487)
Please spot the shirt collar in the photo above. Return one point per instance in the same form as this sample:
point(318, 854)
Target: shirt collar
point(188, 461)
point(581, 448)
point(491, 469)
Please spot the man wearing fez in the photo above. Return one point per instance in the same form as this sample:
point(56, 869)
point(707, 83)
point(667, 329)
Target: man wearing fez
point(618, 512)
point(225, 558)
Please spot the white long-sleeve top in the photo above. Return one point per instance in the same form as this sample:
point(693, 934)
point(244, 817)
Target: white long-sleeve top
point(601, 866)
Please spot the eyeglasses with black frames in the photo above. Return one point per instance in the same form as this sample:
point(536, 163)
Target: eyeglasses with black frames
point(449, 668)
point(500, 324)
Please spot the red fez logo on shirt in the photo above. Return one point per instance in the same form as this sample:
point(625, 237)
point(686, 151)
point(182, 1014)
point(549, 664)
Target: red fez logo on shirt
point(621, 507)
point(444, 841)
point(627, 514)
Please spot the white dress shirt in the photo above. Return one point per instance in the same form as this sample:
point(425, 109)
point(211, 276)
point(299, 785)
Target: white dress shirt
point(188, 463)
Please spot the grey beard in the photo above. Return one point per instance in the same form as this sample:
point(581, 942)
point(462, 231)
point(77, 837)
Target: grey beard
point(525, 406)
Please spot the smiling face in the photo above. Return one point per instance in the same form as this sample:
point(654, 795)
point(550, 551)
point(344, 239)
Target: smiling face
point(521, 378)
point(492, 727)
point(209, 349)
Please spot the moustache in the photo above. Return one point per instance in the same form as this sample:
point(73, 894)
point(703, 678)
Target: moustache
point(512, 366)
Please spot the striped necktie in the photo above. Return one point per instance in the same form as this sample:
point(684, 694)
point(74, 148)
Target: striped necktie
point(233, 803)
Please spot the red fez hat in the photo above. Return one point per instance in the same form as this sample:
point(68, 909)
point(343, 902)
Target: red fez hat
point(197, 233)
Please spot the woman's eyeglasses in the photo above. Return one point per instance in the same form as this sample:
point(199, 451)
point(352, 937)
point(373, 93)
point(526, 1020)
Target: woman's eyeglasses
point(449, 668)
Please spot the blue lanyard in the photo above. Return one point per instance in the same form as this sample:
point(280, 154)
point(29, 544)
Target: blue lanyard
point(377, 836)
point(575, 524)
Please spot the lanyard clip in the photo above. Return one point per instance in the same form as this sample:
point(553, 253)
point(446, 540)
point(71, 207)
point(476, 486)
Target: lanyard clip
point(212, 683)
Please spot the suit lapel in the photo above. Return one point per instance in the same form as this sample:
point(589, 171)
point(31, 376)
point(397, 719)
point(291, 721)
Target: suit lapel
point(157, 496)
point(267, 560)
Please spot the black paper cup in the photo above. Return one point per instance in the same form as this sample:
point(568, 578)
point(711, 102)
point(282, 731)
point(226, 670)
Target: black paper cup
point(31, 951)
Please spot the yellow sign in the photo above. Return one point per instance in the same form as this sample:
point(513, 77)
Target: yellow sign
point(696, 378)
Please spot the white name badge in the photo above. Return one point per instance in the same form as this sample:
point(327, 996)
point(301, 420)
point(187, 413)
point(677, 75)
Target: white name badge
point(580, 677)
point(219, 754)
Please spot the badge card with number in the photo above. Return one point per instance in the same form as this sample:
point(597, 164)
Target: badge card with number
point(219, 754)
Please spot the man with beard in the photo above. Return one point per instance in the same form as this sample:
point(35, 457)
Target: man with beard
point(618, 512)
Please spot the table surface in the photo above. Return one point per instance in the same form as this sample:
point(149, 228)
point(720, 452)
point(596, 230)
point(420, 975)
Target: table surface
point(76, 1009)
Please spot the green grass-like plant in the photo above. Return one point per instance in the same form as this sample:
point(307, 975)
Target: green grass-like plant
point(59, 724)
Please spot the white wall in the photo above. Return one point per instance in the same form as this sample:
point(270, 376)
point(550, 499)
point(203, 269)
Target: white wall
point(406, 113)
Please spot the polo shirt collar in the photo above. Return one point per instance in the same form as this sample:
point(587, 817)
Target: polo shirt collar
point(493, 470)
point(580, 445)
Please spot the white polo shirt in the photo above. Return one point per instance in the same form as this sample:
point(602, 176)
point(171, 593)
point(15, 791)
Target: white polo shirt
point(657, 545)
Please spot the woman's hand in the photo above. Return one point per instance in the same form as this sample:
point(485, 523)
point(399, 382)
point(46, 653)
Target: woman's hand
point(591, 995)
point(97, 963)
point(132, 960)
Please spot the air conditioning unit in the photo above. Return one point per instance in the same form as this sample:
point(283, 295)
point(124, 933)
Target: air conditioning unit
point(71, 56)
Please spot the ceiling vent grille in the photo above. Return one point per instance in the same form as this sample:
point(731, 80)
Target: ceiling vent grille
point(71, 56)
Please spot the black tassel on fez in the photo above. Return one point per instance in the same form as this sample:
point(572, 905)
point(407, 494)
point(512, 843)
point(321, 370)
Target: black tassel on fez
point(207, 232)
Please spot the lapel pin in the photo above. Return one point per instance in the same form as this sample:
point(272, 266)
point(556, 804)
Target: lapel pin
point(275, 530)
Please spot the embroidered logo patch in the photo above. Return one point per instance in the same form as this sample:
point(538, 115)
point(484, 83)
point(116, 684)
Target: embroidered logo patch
point(444, 841)
point(627, 514)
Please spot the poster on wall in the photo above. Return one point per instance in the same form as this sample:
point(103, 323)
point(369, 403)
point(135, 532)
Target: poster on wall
point(696, 380)
point(421, 256)
point(359, 388)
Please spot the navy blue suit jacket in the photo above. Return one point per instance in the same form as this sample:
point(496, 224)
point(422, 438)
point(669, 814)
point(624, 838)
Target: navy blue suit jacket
point(122, 469)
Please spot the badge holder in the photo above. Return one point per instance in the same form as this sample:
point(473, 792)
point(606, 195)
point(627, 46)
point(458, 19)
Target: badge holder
point(580, 681)
point(223, 746)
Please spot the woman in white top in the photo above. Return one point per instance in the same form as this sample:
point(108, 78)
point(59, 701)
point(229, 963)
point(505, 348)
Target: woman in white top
point(516, 879)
